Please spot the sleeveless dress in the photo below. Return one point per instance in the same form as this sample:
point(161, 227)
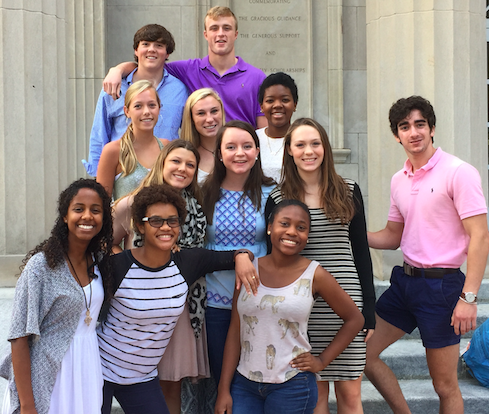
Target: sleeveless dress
point(329, 244)
point(123, 185)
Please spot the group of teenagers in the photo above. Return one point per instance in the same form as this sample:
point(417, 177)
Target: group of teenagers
point(233, 252)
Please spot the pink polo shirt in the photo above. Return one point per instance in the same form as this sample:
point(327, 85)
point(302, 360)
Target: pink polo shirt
point(432, 203)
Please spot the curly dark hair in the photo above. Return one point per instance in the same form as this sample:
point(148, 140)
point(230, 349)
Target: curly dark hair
point(161, 193)
point(154, 33)
point(55, 247)
point(279, 78)
point(403, 107)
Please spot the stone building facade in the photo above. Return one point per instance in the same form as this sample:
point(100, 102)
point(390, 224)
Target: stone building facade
point(350, 58)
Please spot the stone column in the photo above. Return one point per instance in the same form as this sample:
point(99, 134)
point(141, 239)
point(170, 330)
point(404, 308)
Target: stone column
point(40, 47)
point(435, 49)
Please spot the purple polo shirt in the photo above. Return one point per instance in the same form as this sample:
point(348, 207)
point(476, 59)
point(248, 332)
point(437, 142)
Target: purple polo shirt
point(238, 87)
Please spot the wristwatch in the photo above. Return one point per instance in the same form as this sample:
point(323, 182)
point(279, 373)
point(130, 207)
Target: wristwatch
point(469, 297)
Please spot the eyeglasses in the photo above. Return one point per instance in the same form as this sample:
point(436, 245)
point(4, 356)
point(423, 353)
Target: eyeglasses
point(157, 222)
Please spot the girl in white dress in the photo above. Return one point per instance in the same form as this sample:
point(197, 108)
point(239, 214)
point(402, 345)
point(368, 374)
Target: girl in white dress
point(54, 365)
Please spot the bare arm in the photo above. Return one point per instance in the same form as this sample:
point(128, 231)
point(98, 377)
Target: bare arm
point(388, 238)
point(21, 361)
point(112, 82)
point(232, 351)
point(108, 166)
point(261, 122)
point(342, 304)
point(464, 316)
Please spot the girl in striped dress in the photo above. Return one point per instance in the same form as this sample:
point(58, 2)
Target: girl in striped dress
point(338, 241)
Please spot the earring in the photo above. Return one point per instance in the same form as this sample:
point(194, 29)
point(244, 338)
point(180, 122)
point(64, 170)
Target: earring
point(256, 159)
point(220, 160)
point(307, 241)
point(269, 232)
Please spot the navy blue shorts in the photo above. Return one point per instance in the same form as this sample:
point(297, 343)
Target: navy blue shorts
point(428, 304)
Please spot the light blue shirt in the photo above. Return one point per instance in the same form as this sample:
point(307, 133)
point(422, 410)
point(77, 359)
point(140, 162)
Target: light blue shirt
point(110, 122)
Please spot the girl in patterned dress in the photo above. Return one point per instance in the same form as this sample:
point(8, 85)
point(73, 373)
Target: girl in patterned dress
point(338, 241)
point(235, 194)
point(268, 367)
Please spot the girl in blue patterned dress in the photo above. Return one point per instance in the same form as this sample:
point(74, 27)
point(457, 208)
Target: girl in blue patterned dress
point(235, 195)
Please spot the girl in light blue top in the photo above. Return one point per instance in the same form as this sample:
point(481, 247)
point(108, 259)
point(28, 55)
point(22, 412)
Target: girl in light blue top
point(235, 194)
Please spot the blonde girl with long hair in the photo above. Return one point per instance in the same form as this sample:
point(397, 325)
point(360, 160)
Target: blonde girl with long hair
point(338, 241)
point(203, 116)
point(125, 162)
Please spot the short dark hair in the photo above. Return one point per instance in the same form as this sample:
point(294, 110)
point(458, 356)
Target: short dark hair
point(279, 78)
point(154, 33)
point(287, 203)
point(161, 193)
point(403, 107)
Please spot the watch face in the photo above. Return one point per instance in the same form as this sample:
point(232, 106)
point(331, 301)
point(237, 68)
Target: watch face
point(469, 297)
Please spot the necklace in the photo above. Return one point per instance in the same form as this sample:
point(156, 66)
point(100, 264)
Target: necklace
point(208, 150)
point(270, 147)
point(88, 318)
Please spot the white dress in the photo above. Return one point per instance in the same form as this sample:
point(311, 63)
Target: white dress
point(78, 387)
point(271, 153)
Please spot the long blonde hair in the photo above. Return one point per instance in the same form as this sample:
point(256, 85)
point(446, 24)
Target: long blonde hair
point(336, 197)
point(188, 131)
point(127, 155)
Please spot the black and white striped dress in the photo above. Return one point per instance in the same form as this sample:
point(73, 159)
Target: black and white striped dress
point(340, 249)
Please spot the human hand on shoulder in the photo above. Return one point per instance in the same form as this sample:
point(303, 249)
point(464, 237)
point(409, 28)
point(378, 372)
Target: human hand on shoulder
point(112, 82)
point(245, 271)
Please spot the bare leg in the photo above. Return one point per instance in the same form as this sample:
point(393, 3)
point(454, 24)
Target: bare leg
point(171, 391)
point(442, 363)
point(349, 396)
point(379, 374)
point(322, 406)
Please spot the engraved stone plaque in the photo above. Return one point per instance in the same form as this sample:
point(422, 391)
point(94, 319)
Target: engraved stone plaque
point(275, 36)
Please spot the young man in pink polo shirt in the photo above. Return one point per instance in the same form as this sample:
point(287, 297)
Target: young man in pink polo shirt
point(438, 216)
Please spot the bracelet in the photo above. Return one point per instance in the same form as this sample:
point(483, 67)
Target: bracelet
point(239, 251)
point(464, 300)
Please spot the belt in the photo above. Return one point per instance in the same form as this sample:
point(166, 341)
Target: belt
point(428, 273)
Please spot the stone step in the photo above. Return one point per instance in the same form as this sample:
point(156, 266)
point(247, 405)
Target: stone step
point(407, 359)
point(421, 397)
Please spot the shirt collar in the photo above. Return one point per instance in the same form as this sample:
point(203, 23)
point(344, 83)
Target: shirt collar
point(408, 167)
point(131, 75)
point(240, 66)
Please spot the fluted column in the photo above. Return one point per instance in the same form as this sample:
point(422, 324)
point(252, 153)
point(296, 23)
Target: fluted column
point(41, 140)
point(432, 48)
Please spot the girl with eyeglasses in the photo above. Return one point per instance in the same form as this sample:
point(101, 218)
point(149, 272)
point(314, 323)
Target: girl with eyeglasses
point(124, 163)
point(149, 295)
point(186, 355)
point(54, 365)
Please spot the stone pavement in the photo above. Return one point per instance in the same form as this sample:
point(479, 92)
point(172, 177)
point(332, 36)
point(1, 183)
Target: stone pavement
point(406, 358)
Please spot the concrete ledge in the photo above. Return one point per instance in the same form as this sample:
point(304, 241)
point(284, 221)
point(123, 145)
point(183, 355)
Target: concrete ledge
point(9, 269)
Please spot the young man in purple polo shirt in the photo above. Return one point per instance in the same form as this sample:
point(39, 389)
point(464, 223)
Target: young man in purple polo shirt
point(236, 81)
point(438, 216)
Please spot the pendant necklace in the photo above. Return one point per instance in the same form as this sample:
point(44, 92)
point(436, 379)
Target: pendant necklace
point(208, 150)
point(274, 153)
point(88, 318)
